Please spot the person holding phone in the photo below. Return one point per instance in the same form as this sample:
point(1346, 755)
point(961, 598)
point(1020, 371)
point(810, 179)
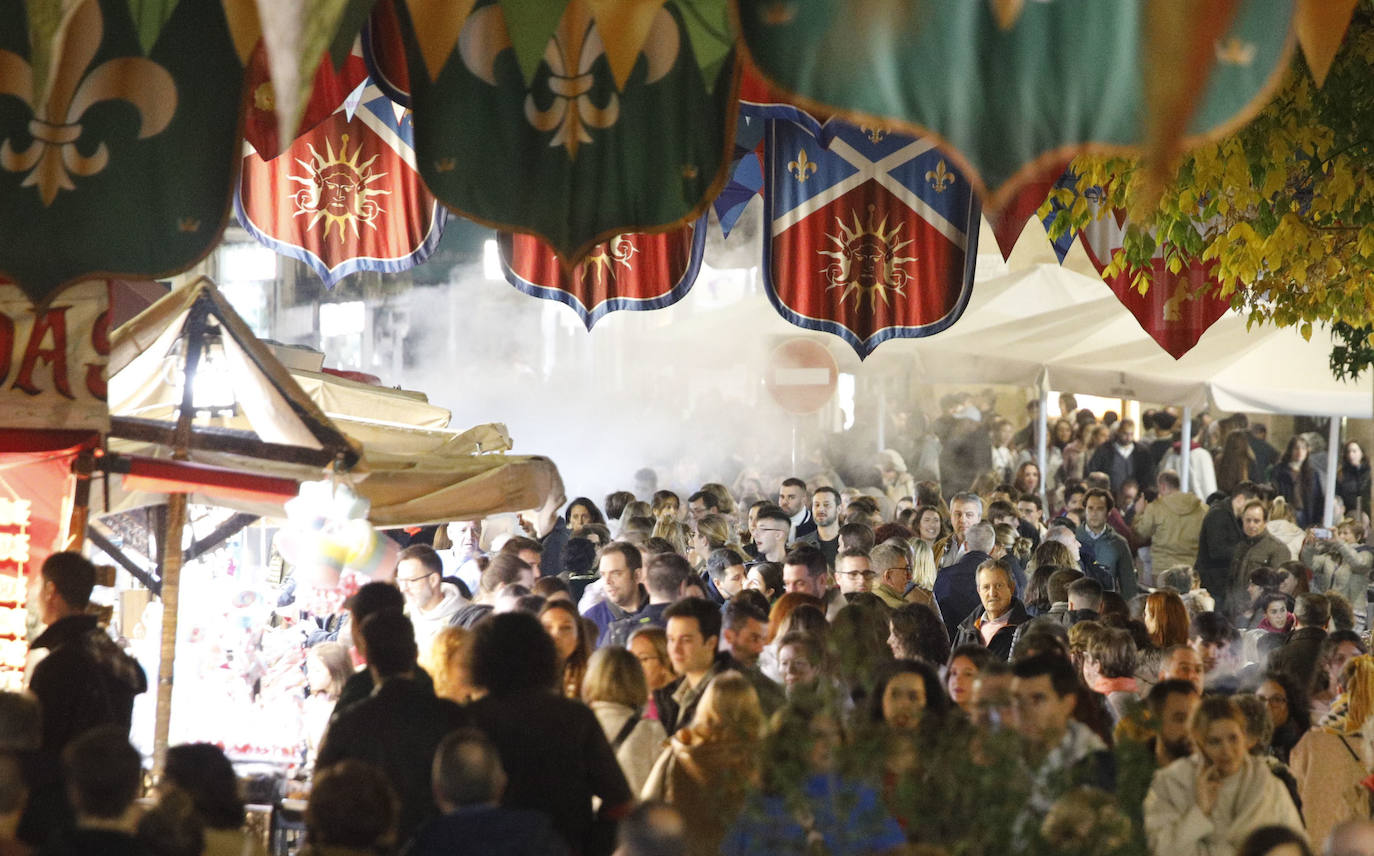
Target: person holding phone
point(1342, 563)
point(1210, 801)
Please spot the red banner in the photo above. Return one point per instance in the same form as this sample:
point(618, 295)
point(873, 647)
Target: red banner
point(345, 196)
point(636, 272)
point(332, 86)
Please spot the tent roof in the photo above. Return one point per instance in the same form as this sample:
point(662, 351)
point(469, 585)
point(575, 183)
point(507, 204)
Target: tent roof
point(414, 469)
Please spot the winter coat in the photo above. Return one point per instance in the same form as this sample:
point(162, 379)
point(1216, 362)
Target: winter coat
point(1139, 465)
point(640, 748)
point(1304, 494)
point(1289, 535)
point(1216, 546)
point(1329, 771)
point(1251, 798)
point(1264, 551)
point(86, 680)
point(1113, 553)
point(707, 781)
point(1339, 566)
point(1173, 523)
point(1352, 486)
point(967, 633)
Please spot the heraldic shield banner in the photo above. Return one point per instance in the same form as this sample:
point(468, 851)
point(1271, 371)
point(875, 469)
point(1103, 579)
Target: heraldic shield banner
point(636, 271)
point(345, 196)
point(871, 235)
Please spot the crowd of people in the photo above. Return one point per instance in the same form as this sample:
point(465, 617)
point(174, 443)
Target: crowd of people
point(1117, 664)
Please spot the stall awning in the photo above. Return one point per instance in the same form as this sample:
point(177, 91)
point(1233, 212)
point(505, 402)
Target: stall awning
point(156, 475)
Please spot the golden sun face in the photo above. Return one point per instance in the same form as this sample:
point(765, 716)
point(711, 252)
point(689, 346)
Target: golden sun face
point(867, 260)
point(337, 189)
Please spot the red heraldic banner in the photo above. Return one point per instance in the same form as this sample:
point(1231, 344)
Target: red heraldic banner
point(872, 235)
point(345, 196)
point(331, 88)
point(633, 271)
point(1178, 307)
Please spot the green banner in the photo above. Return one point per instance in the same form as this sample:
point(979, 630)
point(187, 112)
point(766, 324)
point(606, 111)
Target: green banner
point(122, 164)
point(571, 157)
point(1052, 76)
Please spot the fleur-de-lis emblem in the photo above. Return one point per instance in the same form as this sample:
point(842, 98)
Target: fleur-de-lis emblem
point(1235, 51)
point(52, 158)
point(802, 168)
point(875, 135)
point(940, 178)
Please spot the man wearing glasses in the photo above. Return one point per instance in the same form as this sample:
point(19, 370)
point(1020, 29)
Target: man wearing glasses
point(893, 568)
point(854, 572)
point(431, 603)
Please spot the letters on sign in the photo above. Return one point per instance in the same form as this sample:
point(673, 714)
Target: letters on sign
point(52, 363)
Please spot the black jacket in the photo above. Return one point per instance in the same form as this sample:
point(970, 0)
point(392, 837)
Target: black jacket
point(956, 589)
point(1303, 492)
point(1352, 486)
point(1140, 466)
point(488, 830)
point(1002, 640)
point(85, 681)
point(396, 729)
point(556, 759)
point(1298, 656)
point(1216, 546)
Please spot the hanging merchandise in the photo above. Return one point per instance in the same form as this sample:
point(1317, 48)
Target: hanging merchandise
point(327, 533)
point(345, 196)
point(610, 116)
point(636, 272)
point(871, 235)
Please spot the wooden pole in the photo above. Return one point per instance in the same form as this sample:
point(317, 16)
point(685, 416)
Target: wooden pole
point(171, 543)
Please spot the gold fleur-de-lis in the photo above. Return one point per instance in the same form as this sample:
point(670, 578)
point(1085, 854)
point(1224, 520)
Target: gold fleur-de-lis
point(1235, 51)
point(52, 158)
point(940, 178)
point(875, 135)
point(802, 168)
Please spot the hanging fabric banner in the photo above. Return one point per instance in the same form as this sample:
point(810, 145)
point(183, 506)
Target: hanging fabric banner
point(635, 272)
point(333, 84)
point(871, 235)
point(1010, 87)
point(1177, 308)
point(615, 116)
point(746, 171)
point(117, 142)
point(52, 360)
point(345, 196)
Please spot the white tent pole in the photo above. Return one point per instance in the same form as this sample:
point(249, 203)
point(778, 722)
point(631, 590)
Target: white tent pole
point(1333, 456)
point(1185, 449)
point(1042, 422)
point(882, 416)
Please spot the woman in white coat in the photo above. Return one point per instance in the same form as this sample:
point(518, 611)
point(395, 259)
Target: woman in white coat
point(615, 689)
point(1206, 804)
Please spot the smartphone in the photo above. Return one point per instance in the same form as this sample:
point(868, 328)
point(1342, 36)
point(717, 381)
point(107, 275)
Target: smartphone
point(1321, 534)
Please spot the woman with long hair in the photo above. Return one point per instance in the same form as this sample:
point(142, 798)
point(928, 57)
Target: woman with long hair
point(327, 667)
point(710, 766)
point(564, 626)
point(780, 622)
point(1236, 463)
point(1289, 713)
point(1329, 761)
point(1052, 554)
point(1298, 482)
point(1352, 479)
point(582, 511)
point(1027, 478)
point(615, 689)
point(1166, 619)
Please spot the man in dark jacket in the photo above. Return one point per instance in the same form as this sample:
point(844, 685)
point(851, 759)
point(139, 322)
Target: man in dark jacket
point(1123, 458)
point(993, 625)
point(468, 784)
point(1298, 656)
point(956, 586)
point(1216, 544)
point(400, 725)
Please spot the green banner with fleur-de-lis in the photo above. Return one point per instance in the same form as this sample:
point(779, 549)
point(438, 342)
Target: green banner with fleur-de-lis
point(118, 138)
point(624, 123)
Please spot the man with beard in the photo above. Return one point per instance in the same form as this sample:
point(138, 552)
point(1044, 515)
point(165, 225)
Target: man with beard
point(825, 511)
point(793, 500)
point(1171, 705)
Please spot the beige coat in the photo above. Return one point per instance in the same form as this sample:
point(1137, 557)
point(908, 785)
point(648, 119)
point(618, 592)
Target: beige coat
point(640, 750)
point(707, 782)
point(1171, 524)
point(1329, 774)
point(1253, 797)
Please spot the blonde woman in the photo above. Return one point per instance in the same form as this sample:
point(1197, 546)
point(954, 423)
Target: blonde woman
point(1332, 761)
point(448, 665)
point(711, 765)
point(615, 689)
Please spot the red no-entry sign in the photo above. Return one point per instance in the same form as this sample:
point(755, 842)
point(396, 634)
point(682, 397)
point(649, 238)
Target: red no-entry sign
point(801, 376)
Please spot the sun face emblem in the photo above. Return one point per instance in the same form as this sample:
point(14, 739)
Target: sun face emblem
point(338, 189)
point(867, 260)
